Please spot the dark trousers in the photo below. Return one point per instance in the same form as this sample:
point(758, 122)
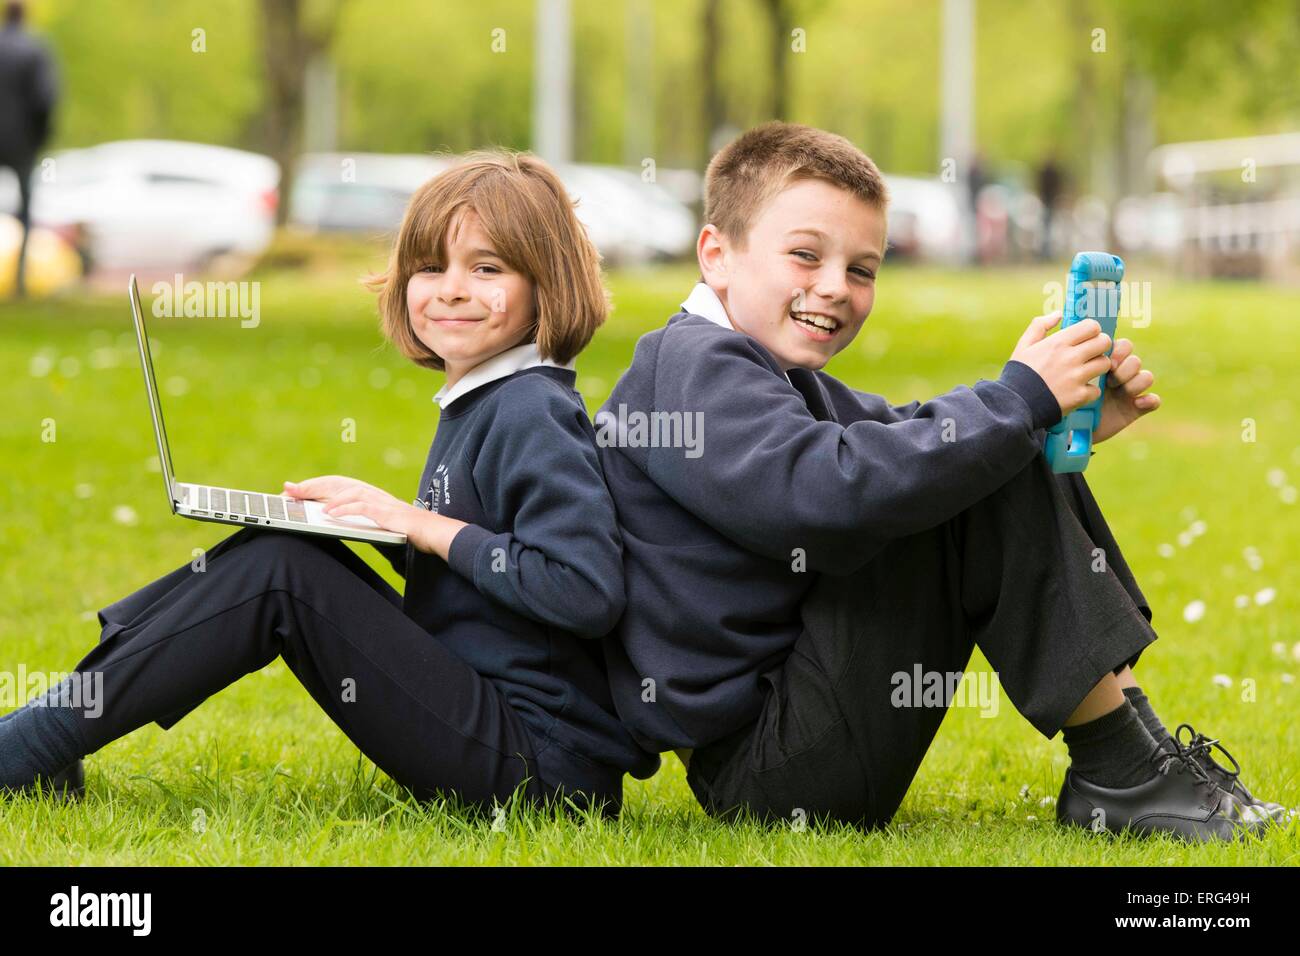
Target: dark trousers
point(418, 711)
point(1017, 574)
point(24, 173)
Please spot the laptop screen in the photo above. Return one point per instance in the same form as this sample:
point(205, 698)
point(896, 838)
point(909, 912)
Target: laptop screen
point(151, 387)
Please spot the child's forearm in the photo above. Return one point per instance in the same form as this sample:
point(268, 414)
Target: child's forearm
point(436, 533)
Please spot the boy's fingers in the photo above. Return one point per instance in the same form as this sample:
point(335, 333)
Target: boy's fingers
point(1122, 350)
point(1038, 328)
point(1097, 345)
point(1081, 331)
point(1126, 369)
point(1098, 365)
point(1140, 382)
point(1045, 323)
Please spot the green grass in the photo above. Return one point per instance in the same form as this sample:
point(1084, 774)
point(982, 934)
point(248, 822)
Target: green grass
point(258, 774)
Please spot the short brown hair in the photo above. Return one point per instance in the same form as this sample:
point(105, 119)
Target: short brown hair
point(751, 170)
point(529, 217)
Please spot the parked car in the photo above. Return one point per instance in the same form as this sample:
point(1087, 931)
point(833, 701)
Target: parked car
point(629, 219)
point(148, 204)
point(357, 192)
point(925, 219)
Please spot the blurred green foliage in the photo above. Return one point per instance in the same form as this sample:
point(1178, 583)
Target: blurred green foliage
point(418, 75)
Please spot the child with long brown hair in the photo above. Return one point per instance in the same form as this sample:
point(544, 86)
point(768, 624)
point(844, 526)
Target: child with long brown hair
point(486, 678)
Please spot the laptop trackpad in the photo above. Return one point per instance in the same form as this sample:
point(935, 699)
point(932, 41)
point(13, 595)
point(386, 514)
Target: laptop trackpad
point(316, 515)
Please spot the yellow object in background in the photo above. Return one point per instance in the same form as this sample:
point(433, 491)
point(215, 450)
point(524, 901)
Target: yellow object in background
point(52, 264)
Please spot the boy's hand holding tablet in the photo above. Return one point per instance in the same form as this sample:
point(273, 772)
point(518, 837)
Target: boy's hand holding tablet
point(1069, 361)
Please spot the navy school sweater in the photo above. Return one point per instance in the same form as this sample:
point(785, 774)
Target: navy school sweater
point(726, 523)
point(536, 580)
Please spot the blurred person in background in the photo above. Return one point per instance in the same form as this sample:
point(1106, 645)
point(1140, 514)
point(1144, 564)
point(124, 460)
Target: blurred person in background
point(28, 92)
point(1050, 183)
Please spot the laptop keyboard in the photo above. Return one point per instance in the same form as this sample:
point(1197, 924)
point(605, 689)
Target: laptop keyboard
point(242, 505)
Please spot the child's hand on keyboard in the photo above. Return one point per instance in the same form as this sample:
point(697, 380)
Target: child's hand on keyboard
point(427, 531)
point(334, 490)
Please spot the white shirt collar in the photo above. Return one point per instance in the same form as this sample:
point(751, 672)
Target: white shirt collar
point(703, 301)
point(498, 366)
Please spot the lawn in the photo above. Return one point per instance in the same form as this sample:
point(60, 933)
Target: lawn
point(259, 775)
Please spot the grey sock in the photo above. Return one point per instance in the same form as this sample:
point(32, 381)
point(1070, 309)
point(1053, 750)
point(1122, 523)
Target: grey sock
point(1149, 719)
point(1114, 750)
point(40, 738)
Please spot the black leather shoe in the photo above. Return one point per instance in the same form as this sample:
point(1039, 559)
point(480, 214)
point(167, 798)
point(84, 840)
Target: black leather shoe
point(1199, 747)
point(68, 784)
point(1181, 799)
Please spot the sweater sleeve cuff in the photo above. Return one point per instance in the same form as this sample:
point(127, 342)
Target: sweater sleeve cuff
point(464, 549)
point(1044, 409)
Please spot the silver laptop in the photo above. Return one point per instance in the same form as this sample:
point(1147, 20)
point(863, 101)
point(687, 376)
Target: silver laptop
point(204, 502)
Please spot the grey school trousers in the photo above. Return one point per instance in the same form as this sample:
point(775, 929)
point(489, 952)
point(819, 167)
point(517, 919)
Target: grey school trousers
point(840, 735)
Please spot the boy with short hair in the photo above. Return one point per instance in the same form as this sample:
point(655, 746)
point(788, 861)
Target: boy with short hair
point(814, 542)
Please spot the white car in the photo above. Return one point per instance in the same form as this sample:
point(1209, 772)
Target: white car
point(149, 204)
point(627, 218)
point(925, 218)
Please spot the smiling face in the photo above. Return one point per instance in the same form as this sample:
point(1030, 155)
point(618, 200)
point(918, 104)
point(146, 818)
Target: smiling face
point(471, 306)
point(806, 279)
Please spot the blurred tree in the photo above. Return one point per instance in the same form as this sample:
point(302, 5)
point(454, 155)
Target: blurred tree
point(1205, 73)
point(293, 32)
point(1222, 71)
point(871, 73)
point(416, 76)
point(780, 14)
point(784, 17)
point(166, 69)
point(710, 80)
point(639, 78)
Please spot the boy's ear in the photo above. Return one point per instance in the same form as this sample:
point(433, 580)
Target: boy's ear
point(713, 253)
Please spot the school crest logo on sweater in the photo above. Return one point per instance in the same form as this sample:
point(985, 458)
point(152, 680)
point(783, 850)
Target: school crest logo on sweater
point(440, 489)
